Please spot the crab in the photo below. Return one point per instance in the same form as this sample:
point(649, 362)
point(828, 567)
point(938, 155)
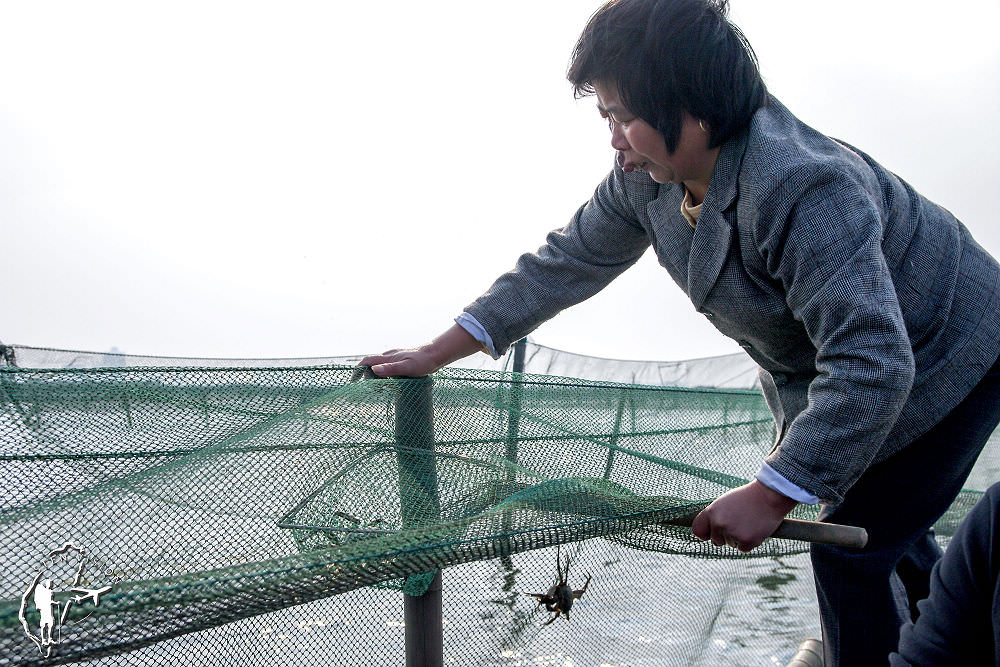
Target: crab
point(559, 598)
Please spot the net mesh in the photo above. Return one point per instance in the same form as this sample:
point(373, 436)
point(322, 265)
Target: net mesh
point(235, 513)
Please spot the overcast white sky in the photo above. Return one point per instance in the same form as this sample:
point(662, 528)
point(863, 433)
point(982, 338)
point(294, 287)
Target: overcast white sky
point(248, 179)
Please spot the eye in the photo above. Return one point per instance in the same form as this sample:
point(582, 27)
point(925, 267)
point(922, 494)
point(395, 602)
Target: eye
point(621, 123)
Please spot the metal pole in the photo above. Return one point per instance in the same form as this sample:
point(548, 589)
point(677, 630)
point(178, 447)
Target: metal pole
point(419, 504)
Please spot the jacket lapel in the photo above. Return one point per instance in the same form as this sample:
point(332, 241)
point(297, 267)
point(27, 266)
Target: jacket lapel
point(709, 250)
point(713, 234)
point(672, 233)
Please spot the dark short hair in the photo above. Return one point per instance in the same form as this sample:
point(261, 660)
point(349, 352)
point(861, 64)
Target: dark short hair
point(671, 56)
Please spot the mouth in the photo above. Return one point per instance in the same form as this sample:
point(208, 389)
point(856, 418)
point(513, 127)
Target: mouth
point(627, 166)
point(639, 166)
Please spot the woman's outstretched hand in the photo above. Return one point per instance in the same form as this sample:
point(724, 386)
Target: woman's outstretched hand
point(454, 344)
point(744, 517)
point(413, 362)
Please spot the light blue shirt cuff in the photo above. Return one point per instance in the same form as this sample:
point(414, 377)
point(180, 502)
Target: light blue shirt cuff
point(476, 330)
point(770, 478)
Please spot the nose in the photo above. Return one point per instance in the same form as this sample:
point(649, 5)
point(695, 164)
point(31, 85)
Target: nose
point(618, 140)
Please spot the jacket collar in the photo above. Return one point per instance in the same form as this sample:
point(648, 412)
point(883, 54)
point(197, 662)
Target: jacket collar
point(722, 187)
point(710, 244)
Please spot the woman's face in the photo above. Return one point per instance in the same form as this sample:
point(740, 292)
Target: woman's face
point(640, 146)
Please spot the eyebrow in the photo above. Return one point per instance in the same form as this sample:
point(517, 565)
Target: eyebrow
point(612, 109)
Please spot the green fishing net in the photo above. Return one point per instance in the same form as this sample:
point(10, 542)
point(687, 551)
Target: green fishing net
point(161, 512)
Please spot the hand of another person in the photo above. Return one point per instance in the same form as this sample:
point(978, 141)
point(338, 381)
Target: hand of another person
point(743, 517)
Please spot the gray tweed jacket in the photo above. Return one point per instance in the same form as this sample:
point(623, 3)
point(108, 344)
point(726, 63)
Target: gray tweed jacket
point(871, 311)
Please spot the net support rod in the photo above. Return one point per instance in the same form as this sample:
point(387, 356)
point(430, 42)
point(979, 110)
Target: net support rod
point(514, 433)
point(514, 418)
point(419, 503)
point(614, 434)
point(7, 355)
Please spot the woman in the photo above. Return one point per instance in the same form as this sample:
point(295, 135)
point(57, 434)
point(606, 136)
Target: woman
point(873, 314)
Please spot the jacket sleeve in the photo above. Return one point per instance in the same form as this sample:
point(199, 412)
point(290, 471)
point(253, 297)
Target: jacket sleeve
point(822, 241)
point(602, 239)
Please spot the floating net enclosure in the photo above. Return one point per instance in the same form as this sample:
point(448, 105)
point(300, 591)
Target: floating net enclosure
point(276, 512)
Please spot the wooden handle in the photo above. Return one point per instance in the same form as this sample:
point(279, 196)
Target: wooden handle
point(804, 531)
point(823, 533)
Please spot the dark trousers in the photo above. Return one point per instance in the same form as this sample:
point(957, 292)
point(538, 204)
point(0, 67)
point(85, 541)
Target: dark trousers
point(866, 595)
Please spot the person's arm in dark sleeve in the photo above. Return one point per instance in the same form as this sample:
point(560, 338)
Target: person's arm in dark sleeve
point(959, 621)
